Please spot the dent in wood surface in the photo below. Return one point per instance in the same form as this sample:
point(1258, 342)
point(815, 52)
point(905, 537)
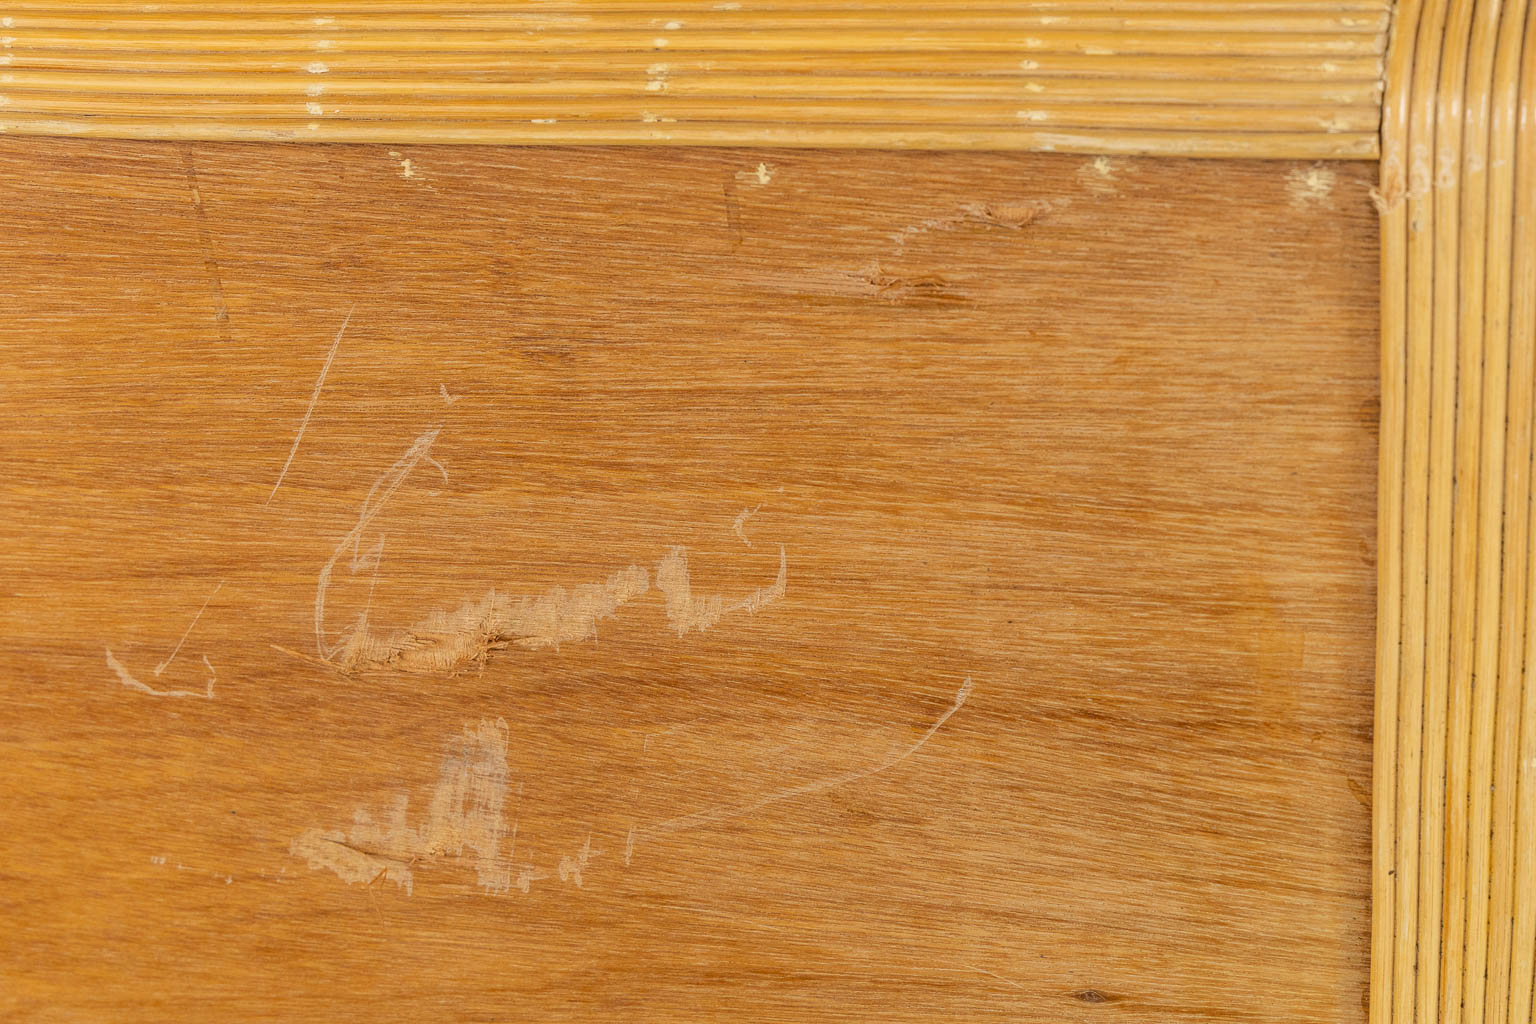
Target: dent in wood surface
point(1116, 472)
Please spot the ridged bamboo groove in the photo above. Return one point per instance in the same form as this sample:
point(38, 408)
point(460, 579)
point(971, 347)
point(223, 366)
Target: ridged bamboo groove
point(1454, 923)
point(1449, 107)
point(1262, 78)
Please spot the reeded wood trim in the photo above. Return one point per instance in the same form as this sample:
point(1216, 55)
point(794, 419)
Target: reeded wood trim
point(1258, 78)
point(1454, 893)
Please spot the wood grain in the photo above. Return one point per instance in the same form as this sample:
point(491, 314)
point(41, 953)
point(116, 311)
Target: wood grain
point(1063, 710)
point(1455, 863)
point(1289, 79)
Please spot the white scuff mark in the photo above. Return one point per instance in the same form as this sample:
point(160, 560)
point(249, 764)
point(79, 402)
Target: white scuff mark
point(314, 90)
point(762, 174)
point(545, 120)
point(1311, 186)
point(448, 641)
point(687, 613)
point(706, 817)
point(407, 167)
point(383, 489)
point(741, 521)
point(133, 684)
point(313, 398)
point(447, 398)
point(177, 649)
point(429, 460)
point(659, 42)
point(322, 22)
point(1099, 175)
point(316, 68)
point(656, 77)
point(329, 851)
point(465, 819)
point(571, 867)
point(313, 109)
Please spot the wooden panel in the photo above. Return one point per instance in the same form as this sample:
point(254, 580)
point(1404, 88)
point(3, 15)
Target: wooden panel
point(1265, 78)
point(961, 568)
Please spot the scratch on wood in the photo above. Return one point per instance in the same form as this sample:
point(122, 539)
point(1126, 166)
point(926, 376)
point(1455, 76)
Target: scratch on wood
point(383, 489)
point(448, 641)
point(762, 174)
point(1098, 175)
point(205, 240)
point(172, 656)
point(313, 398)
point(133, 684)
point(571, 867)
point(741, 521)
point(1010, 215)
point(465, 818)
point(688, 613)
point(874, 281)
point(732, 215)
point(705, 817)
point(1311, 186)
point(992, 974)
point(331, 851)
point(447, 398)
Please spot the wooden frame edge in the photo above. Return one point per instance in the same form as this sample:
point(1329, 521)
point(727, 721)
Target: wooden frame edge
point(1454, 810)
point(1283, 79)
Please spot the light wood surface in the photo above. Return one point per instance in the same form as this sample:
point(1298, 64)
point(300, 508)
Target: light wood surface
point(1036, 493)
point(1289, 79)
point(1455, 840)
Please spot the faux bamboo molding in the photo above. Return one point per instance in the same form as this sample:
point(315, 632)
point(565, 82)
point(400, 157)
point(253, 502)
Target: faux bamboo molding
point(1259, 78)
point(1454, 919)
point(1454, 892)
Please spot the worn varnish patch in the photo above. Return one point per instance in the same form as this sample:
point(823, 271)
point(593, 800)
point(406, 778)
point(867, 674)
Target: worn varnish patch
point(463, 819)
point(518, 712)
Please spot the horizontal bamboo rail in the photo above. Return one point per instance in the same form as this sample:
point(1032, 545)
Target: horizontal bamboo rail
point(1265, 78)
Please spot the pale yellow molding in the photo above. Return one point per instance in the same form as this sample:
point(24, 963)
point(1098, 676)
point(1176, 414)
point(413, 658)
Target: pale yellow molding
point(1454, 893)
point(1259, 78)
